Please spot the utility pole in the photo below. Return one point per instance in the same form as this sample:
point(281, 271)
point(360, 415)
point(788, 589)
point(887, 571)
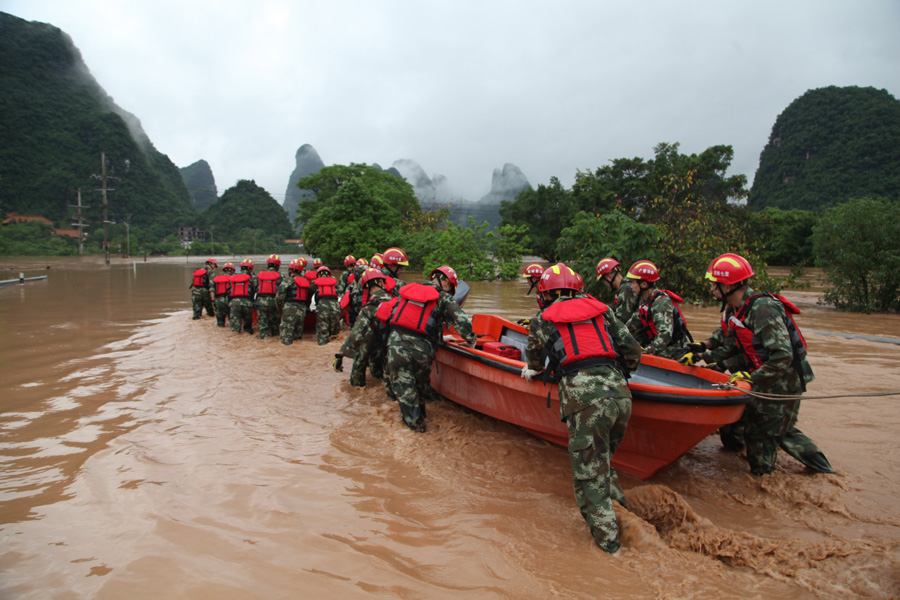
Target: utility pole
point(127, 235)
point(105, 204)
point(79, 223)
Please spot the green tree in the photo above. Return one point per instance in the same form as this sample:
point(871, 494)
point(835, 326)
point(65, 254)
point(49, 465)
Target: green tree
point(545, 211)
point(464, 249)
point(786, 235)
point(856, 245)
point(328, 181)
point(357, 219)
point(512, 243)
point(593, 236)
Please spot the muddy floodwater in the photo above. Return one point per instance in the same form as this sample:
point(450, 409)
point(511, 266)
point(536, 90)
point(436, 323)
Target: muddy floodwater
point(147, 455)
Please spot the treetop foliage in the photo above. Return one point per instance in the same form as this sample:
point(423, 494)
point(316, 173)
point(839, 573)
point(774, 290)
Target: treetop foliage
point(829, 146)
point(246, 205)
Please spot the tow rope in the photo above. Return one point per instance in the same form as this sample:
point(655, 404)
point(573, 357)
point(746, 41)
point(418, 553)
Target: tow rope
point(789, 398)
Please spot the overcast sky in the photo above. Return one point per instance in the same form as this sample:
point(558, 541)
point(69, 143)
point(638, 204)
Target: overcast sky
point(463, 87)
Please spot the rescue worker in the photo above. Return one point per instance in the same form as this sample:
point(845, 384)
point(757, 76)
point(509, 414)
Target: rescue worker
point(267, 309)
point(532, 275)
point(328, 309)
point(200, 289)
point(294, 296)
point(365, 344)
point(394, 259)
point(351, 298)
point(243, 292)
point(591, 354)
point(416, 318)
point(349, 264)
point(609, 271)
point(658, 323)
point(222, 290)
point(761, 332)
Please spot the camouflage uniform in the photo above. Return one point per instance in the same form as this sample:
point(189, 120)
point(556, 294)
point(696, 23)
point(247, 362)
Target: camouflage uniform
point(241, 308)
point(200, 296)
point(667, 343)
point(595, 404)
point(409, 360)
point(293, 312)
point(732, 435)
point(768, 424)
point(328, 316)
point(222, 303)
point(626, 302)
point(365, 344)
point(268, 311)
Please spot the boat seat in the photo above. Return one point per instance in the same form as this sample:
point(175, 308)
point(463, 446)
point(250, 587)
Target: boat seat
point(515, 341)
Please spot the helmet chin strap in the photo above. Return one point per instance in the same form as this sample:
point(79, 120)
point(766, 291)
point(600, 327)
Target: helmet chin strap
point(726, 295)
point(534, 282)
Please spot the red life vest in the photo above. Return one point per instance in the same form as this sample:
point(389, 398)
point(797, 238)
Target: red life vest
point(351, 279)
point(414, 310)
point(311, 275)
point(268, 283)
point(327, 287)
point(580, 338)
point(750, 344)
point(385, 309)
point(222, 283)
point(201, 278)
point(645, 313)
point(298, 291)
point(240, 285)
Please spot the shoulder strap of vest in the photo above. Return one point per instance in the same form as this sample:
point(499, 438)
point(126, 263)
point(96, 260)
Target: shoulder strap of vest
point(419, 292)
point(572, 311)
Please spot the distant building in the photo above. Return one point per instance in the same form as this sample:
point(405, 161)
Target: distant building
point(17, 218)
point(191, 234)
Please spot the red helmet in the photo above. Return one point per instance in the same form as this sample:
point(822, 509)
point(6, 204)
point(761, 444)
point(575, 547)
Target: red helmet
point(533, 270)
point(212, 261)
point(349, 260)
point(247, 263)
point(559, 277)
point(361, 262)
point(448, 272)
point(301, 263)
point(580, 281)
point(317, 262)
point(643, 270)
point(729, 269)
point(377, 260)
point(295, 265)
point(369, 275)
point(228, 266)
point(396, 256)
point(273, 259)
point(321, 270)
point(607, 265)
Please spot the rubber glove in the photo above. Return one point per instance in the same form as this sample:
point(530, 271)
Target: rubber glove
point(690, 359)
point(716, 366)
point(471, 344)
point(312, 305)
point(449, 338)
point(524, 322)
point(697, 347)
point(741, 376)
point(338, 363)
point(528, 374)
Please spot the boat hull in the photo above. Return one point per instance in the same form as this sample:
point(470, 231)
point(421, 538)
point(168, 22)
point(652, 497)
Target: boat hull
point(673, 406)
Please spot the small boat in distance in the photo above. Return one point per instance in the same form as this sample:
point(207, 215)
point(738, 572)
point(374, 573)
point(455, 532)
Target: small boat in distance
point(673, 406)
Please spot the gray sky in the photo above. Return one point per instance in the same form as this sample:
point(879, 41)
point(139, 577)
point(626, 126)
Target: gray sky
point(463, 87)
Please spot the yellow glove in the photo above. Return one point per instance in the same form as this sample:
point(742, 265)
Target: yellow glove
point(338, 363)
point(690, 359)
point(740, 376)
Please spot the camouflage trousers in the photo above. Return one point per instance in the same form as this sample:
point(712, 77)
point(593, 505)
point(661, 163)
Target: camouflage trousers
point(373, 360)
point(267, 317)
point(767, 426)
point(594, 434)
point(409, 377)
point(241, 315)
point(328, 320)
point(223, 307)
point(200, 299)
point(292, 318)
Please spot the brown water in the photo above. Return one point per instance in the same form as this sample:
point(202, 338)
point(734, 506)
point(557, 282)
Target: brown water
point(146, 455)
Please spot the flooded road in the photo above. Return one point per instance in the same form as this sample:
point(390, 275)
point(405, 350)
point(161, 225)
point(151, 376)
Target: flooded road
point(146, 455)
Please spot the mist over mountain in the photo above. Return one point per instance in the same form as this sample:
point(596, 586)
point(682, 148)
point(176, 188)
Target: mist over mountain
point(201, 185)
point(429, 190)
point(307, 162)
point(57, 120)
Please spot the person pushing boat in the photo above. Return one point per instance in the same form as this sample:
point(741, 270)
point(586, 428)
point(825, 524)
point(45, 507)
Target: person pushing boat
point(590, 354)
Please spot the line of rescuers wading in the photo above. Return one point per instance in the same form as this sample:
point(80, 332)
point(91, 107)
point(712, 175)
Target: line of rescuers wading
point(588, 348)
